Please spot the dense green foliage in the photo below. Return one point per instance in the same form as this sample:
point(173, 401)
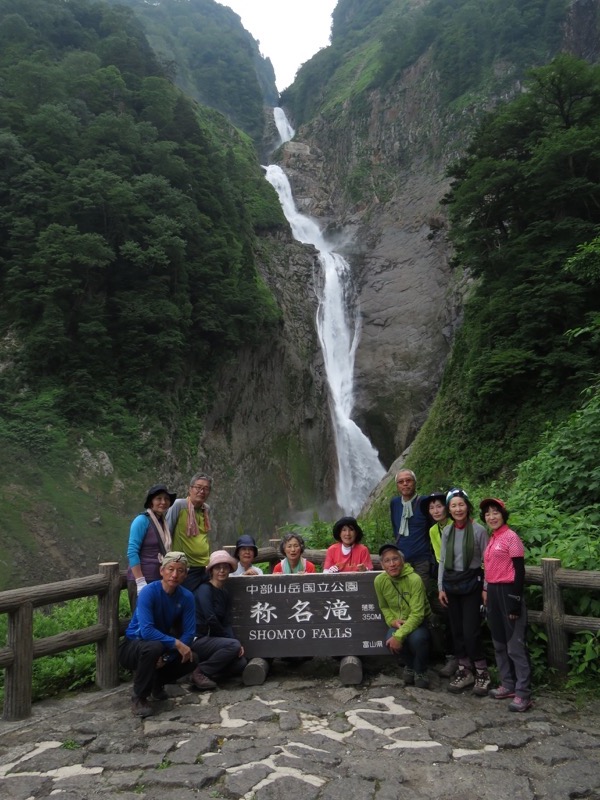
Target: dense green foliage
point(72, 669)
point(214, 59)
point(524, 198)
point(470, 44)
point(467, 37)
point(128, 216)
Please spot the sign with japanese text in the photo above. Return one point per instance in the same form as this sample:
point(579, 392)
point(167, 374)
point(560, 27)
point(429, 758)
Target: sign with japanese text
point(307, 615)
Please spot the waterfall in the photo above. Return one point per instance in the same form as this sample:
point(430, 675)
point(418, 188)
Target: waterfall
point(359, 468)
point(282, 123)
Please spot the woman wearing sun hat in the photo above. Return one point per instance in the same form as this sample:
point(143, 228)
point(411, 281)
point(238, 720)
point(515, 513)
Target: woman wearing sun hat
point(347, 555)
point(219, 652)
point(245, 553)
point(149, 540)
point(504, 561)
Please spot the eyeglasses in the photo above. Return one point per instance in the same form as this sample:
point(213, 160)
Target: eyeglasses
point(200, 488)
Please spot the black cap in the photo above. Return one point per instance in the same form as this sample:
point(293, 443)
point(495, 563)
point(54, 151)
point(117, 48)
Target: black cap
point(245, 540)
point(351, 523)
point(157, 489)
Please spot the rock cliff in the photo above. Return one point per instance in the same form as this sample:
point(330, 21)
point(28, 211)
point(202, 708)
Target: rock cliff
point(268, 435)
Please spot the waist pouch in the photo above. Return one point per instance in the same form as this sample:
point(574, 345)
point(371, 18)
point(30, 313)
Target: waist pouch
point(462, 582)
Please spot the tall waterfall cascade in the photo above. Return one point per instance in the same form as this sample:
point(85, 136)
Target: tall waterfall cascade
point(338, 327)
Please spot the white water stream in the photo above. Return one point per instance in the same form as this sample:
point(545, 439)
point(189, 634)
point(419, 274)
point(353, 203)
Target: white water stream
point(359, 468)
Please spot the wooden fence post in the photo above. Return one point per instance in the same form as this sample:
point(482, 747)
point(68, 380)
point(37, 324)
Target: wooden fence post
point(554, 615)
point(107, 650)
point(18, 679)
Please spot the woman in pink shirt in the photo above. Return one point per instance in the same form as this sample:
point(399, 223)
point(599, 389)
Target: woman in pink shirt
point(504, 563)
point(347, 555)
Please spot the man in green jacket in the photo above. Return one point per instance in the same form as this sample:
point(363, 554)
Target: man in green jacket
point(405, 608)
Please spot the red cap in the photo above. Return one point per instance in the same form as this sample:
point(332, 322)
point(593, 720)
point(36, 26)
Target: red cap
point(492, 501)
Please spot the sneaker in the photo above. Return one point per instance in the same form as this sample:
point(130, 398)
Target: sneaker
point(140, 707)
point(482, 682)
point(421, 680)
point(449, 667)
point(408, 676)
point(202, 681)
point(520, 704)
point(462, 678)
point(501, 693)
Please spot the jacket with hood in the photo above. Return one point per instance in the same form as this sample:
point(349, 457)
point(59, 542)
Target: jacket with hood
point(402, 598)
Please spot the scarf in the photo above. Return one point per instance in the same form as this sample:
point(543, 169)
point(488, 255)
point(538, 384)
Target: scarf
point(289, 570)
point(192, 523)
point(468, 546)
point(407, 512)
point(163, 532)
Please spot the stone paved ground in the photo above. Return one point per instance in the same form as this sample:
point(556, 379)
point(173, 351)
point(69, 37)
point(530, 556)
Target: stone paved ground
point(303, 736)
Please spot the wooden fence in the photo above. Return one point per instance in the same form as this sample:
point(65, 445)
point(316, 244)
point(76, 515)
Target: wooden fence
point(21, 648)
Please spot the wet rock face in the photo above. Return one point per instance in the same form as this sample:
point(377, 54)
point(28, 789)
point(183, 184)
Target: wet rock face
point(268, 435)
point(376, 177)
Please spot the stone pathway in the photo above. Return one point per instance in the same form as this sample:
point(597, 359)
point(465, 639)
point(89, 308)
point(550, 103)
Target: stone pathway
point(303, 736)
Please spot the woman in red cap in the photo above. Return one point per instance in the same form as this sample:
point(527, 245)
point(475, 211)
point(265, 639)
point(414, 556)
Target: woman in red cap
point(504, 561)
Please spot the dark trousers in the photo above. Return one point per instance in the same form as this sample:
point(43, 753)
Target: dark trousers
point(141, 656)
point(510, 640)
point(465, 623)
point(415, 649)
point(218, 656)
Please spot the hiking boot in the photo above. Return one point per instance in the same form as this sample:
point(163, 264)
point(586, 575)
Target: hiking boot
point(449, 668)
point(482, 682)
point(408, 676)
point(462, 678)
point(501, 693)
point(159, 693)
point(520, 704)
point(140, 707)
point(421, 680)
point(202, 681)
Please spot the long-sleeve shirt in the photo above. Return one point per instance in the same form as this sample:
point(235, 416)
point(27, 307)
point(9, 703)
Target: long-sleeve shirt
point(480, 540)
point(402, 598)
point(157, 613)
point(213, 612)
point(416, 546)
point(358, 556)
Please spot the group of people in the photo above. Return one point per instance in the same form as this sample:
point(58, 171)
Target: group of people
point(464, 571)
point(441, 561)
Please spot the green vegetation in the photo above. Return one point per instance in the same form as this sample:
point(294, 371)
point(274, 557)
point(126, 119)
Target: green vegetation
point(213, 59)
point(524, 198)
point(470, 43)
point(73, 669)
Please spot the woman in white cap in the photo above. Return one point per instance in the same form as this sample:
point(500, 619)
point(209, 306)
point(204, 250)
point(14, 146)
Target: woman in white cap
point(149, 540)
point(219, 653)
point(460, 584)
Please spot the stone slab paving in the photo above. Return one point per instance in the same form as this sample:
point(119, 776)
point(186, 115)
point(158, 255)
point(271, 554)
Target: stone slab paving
point(302, 736)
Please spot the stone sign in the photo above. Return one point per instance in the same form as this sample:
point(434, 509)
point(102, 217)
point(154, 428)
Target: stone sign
point(307, 615)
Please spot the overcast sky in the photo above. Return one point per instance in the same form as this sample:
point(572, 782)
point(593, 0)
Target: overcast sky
point(289, 31)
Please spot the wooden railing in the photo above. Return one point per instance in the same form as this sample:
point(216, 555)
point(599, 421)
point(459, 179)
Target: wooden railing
point(21, 648)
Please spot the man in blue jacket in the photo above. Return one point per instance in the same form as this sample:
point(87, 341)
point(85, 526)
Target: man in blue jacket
point(410, 525)
point(157, 641)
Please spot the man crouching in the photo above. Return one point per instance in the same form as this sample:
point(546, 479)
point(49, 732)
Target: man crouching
point(405, 608)
point(149, 649)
